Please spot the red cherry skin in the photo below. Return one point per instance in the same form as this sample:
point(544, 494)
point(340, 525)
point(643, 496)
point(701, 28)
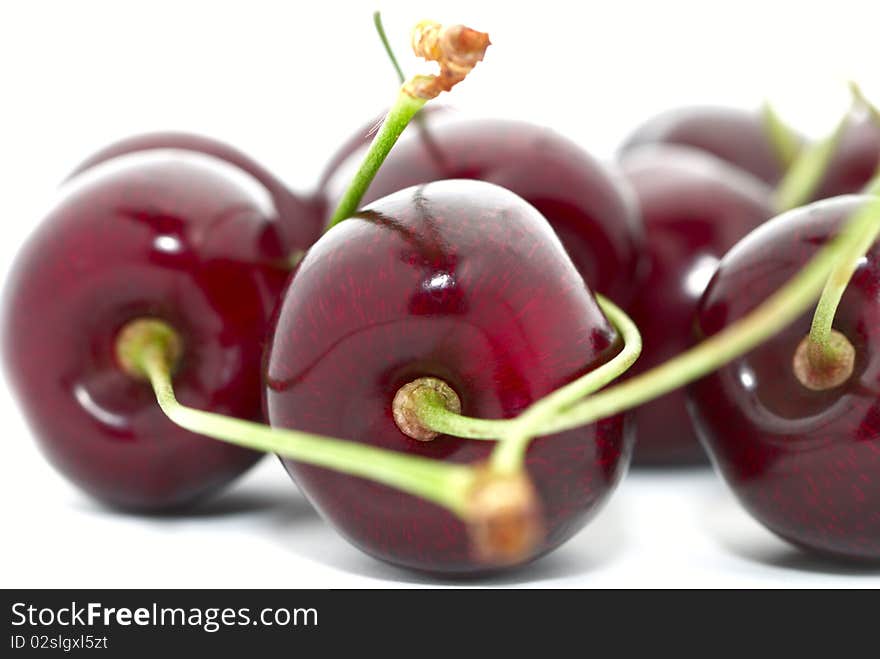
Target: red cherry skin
point(587, 204)
point(300, 219)
point(806, 464)
point(189, 240)
point(460, 280)
point(856, 160)
point(733, 135)
point(695, 207)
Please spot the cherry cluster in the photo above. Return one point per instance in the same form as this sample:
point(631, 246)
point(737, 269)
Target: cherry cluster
point(442, 324)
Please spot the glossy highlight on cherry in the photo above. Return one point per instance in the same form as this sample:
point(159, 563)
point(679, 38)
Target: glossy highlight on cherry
point(462, 281)
point(299, 219)
point(804, 463)
point(695, 207)
point(185, 239)
point(588, 204)
point(437, 374)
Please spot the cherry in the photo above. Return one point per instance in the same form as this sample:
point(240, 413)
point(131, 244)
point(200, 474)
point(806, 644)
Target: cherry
point(737, 136)
point(804, 463)
point(695, 207)
point(855, 161)
point(588, 206)
point(182, 237)
point(301, 219)
point(461, 281)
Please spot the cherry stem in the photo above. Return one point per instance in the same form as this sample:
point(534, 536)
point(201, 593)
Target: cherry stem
point(782, 137)
point(806, 171)
point(433, 413)
point(400, 114)
point(457, 49)
point(828, 348)
point(380, 29)
point(826, 358)
point(860, 99)
point(444, 484)
point(771, 316)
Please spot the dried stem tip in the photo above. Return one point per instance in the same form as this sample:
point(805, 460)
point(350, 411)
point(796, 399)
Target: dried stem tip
point(456, 48)
point(819, 368)
point(504, 518)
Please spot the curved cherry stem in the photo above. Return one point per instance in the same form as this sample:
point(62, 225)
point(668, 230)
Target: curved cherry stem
point(775, 313)
point(823, 318)
point(434, 415)
point(446, 485)
point(500, 511)
point(827, 348)
point(380, 29)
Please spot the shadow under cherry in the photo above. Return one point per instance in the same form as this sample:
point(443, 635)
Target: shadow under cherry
point(737, 533)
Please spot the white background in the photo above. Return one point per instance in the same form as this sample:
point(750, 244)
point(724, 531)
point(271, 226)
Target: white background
point(286, 82)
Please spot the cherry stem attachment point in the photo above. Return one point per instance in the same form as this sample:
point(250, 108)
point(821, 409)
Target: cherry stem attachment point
point(149, 353)
point(457, 49)
point(771, 316)
point(826, 357)
point(431, 410)
point(820, 367)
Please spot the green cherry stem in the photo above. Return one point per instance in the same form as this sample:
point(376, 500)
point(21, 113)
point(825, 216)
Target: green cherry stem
point(780, 309)
point(771, 316)
point(509, 454)
point(431, 409)
point(826, 358)
point(400, 114)
point(457, 50)
point(823, 318)
point(873, 186)
point(148, 348)
point(860, 98)
point(782, 137)
point(380, 29)
point(806, 171)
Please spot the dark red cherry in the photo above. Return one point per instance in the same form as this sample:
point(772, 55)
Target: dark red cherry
point(187, 239)
point(804, 463)
point(855, 162)
point(301, 220)
point(460, 280)
point(734, 135)
point(695, 207)
point(588, 206)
